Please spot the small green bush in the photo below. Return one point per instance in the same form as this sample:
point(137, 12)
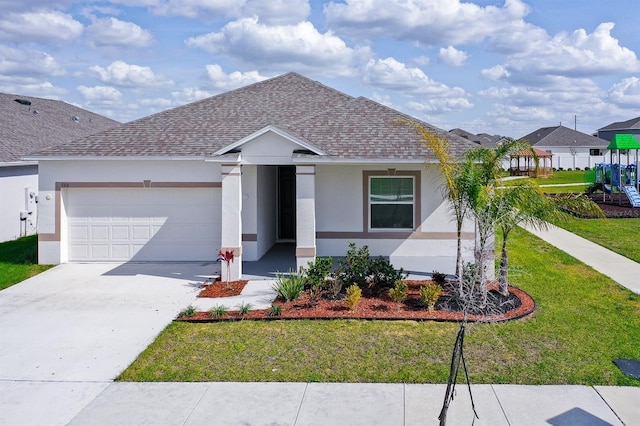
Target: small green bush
point(318, 270)
point(399, 292)
point(218, 311)
point(189, 311)
point(429, 295)
point(353, 296)
point(439, 277)
point(383, 275)
point(275, 310)
point(290, 287)
point(355, 267)
point(244, 308)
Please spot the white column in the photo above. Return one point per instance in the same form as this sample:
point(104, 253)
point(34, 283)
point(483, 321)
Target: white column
point(305, 215)
point(231, 234)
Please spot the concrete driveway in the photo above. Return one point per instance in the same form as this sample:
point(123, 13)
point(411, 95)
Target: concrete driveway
point(72, 329)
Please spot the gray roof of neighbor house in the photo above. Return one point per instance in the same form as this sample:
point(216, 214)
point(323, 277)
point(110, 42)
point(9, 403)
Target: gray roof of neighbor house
point(634, 123)
point(342, 126)
point(560, 136)
point(483, 139)
point(33, 124)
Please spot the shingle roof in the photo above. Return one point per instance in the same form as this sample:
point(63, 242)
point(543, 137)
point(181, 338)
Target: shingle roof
point(560, 136)
point(339, 124)
point(25, 128)
point(634, 123)
point(483, 139)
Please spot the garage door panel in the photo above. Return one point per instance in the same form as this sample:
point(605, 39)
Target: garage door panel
point(143, 224)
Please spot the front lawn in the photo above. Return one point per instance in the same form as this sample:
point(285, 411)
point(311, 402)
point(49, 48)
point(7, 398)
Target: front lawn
point(583, 322)
point(19, 261)
point(619, 235)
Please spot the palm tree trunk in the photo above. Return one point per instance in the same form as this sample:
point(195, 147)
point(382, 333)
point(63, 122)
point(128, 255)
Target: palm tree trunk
point(503, 279)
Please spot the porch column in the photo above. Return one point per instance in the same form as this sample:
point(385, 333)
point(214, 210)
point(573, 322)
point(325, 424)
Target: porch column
point(231, 233)
point(305, 215)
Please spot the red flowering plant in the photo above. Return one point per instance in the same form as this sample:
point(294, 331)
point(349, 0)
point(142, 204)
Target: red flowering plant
point(226, 257)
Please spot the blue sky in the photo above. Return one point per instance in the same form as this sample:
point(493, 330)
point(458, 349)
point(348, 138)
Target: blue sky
point(500, 67)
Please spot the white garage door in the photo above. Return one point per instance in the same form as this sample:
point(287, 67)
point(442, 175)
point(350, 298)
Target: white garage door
point(143, 224)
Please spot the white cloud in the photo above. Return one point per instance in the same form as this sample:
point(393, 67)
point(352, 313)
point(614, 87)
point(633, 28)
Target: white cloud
point(41, 26)
point(286, 47)
point(277, 11)
point(430, 22)
point(452, 56)
point(391, 74)
point(236, 79)
point(190, 94)
point(574, 55)
point(103, 95)
point(495, 73)
point(206, 9)
point(626, 93)
point(27, 62)
point(114, 32)
point(31, 87)
point(120, 73)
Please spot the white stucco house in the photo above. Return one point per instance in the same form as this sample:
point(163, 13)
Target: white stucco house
point(29, 124)
point(286, 159)
point(570, 149)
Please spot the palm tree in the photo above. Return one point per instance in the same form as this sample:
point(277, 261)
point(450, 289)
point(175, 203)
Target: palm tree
point(457, 179)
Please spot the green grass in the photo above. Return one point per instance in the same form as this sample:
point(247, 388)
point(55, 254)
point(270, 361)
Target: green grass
point(563, 177)
point(18, 261)
point(619, 235)
point(584, 321)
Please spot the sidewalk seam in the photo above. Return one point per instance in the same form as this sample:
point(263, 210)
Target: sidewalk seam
point(186, 419)
point(295, 421)
point(607, 404)
point(493, 389)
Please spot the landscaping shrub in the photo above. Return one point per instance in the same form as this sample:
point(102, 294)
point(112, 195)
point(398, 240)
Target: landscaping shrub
point(354, 269)
point(373, 275)
point(218, 311)
point(244, 308)
point(275, 310)
point(429, 295)
point(318, 270)
point(353, 296)
point(291, 286)
point(399, 292)
point(189, 311)
point(439, 277)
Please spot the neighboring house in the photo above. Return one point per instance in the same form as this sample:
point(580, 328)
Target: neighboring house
point(630, 127)
point(571, 149)
point(28, 124)
point(482, 139)
point(286, 159)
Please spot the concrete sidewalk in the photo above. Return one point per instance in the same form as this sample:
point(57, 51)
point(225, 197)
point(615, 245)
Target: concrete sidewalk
point(621, 269)
point(335, 404)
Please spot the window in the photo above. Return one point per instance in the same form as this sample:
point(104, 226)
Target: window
point(391, 202)
point(595, 152)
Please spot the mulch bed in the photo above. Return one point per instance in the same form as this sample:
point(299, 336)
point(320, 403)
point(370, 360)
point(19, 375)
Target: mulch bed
point(517, 304)
point(223, 289)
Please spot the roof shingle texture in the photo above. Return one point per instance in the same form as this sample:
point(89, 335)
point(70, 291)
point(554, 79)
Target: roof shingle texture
point(25, 129)
point(339, 124)
point(560, 136)
point(634, 123)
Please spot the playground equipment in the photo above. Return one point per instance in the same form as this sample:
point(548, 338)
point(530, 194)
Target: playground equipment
point(616, 178)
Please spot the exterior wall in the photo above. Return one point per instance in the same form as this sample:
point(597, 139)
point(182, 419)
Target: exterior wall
point(55, 175)
point(259, 210)
point(340, 218)
point(565, 159)
point(13, 181)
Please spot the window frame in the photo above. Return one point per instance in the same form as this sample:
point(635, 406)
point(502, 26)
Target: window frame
point(367, 203)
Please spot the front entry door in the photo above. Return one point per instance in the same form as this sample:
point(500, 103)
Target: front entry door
point(286, 202)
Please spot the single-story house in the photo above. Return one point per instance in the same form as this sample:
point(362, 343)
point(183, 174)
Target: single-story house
point(571, 149)
point(29, 124)
point(629, 127)
point(284, 160)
